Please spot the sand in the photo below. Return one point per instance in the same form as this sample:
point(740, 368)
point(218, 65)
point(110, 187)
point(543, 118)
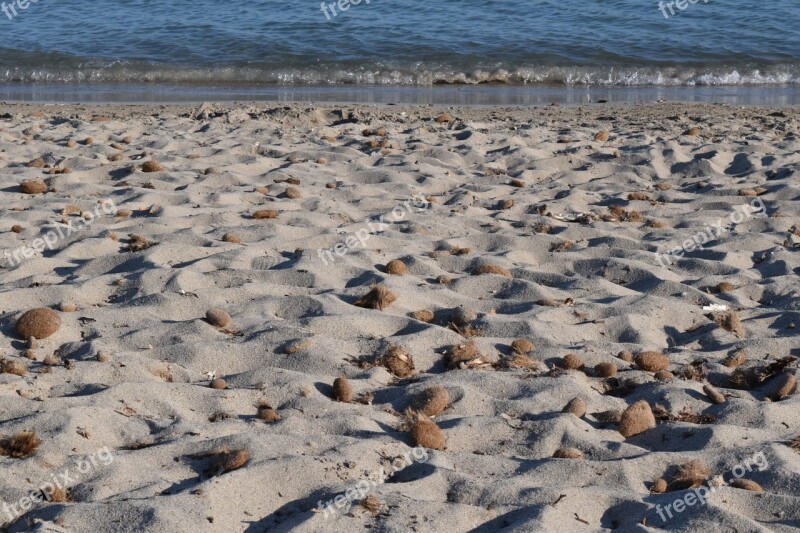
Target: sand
point(510, 224)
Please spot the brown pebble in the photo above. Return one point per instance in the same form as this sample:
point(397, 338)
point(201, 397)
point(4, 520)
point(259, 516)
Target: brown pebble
point(523, 346)
point(432, 401)
point(625, 356)
point(267, 413)
point(32, 344)
point(568, 453)
point(694, 131)
point(576, 406)
point(17, 368)
point(444, 117)
point(152, 166)
point(263, 214)
point(601, 136)
point(651, 361)
point(331, 185)
point(396, 267)
point(293, 193)
point(16, 228)
point(40, 323)
point(423, 315)
point(218, 317)
point(71, 143)
point(713, 394)
point(781, 386)
point(33, 186)
point(342, 391)
point(425, 433)
point(218, 384)
point(51, 360)
point(104, 356)
point(517, 183)
point(746, 484)
point(571, 362)
point(636, 419)
point(659, 486)
point(88, 140)
point(605, 370)
point(663, 375)
point(67, 307)
point(725, 287)
point(231, 237)
point(735, 359)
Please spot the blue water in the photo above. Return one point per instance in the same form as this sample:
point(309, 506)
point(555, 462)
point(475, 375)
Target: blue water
point(403, 42)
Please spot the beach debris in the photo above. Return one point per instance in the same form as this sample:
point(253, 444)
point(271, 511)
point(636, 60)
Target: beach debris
point(342, 391)
point(465, 355)
point(659, 486)
point(152, 166)
point(781, 386)
point(423, 315)
point(491, 269)
point(601, 136)
point(715, 308)
point(724, 286)
point(17, 368)
point(266, 412)
point(689, 476)
point(137, 243)
point(397, 361)
point(378, 297)
point(730, 322)
point(735, 359)
point(568, 453)
point(218, 317)
point(576, 406)
point(522, 346)
point(425, 432)
point(20, 446)
point(651, 361)
point(636, 419)
point(431, 401)
point(33, 186)
point(396, 267)
point(371, 504)
point(605, 370)
point(39, 323)
point(218, 383)
point(571, 362)
point(746, 484)
point(713, 394)
point(224, 461)
point(264, 214)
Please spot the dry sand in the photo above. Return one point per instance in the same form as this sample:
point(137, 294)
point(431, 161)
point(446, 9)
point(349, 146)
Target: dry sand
point(565, 225)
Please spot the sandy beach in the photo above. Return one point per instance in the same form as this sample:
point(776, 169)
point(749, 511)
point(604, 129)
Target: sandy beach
point(349, 317)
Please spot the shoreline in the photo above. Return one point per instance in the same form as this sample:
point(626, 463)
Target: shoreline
point(467, 95)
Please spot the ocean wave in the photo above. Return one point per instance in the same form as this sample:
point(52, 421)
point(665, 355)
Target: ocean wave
point(367, 75)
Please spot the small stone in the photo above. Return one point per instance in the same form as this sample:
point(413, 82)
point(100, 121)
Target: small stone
point(218, 384)
point(636, 419)
point(218, 317)
point(576, 406)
